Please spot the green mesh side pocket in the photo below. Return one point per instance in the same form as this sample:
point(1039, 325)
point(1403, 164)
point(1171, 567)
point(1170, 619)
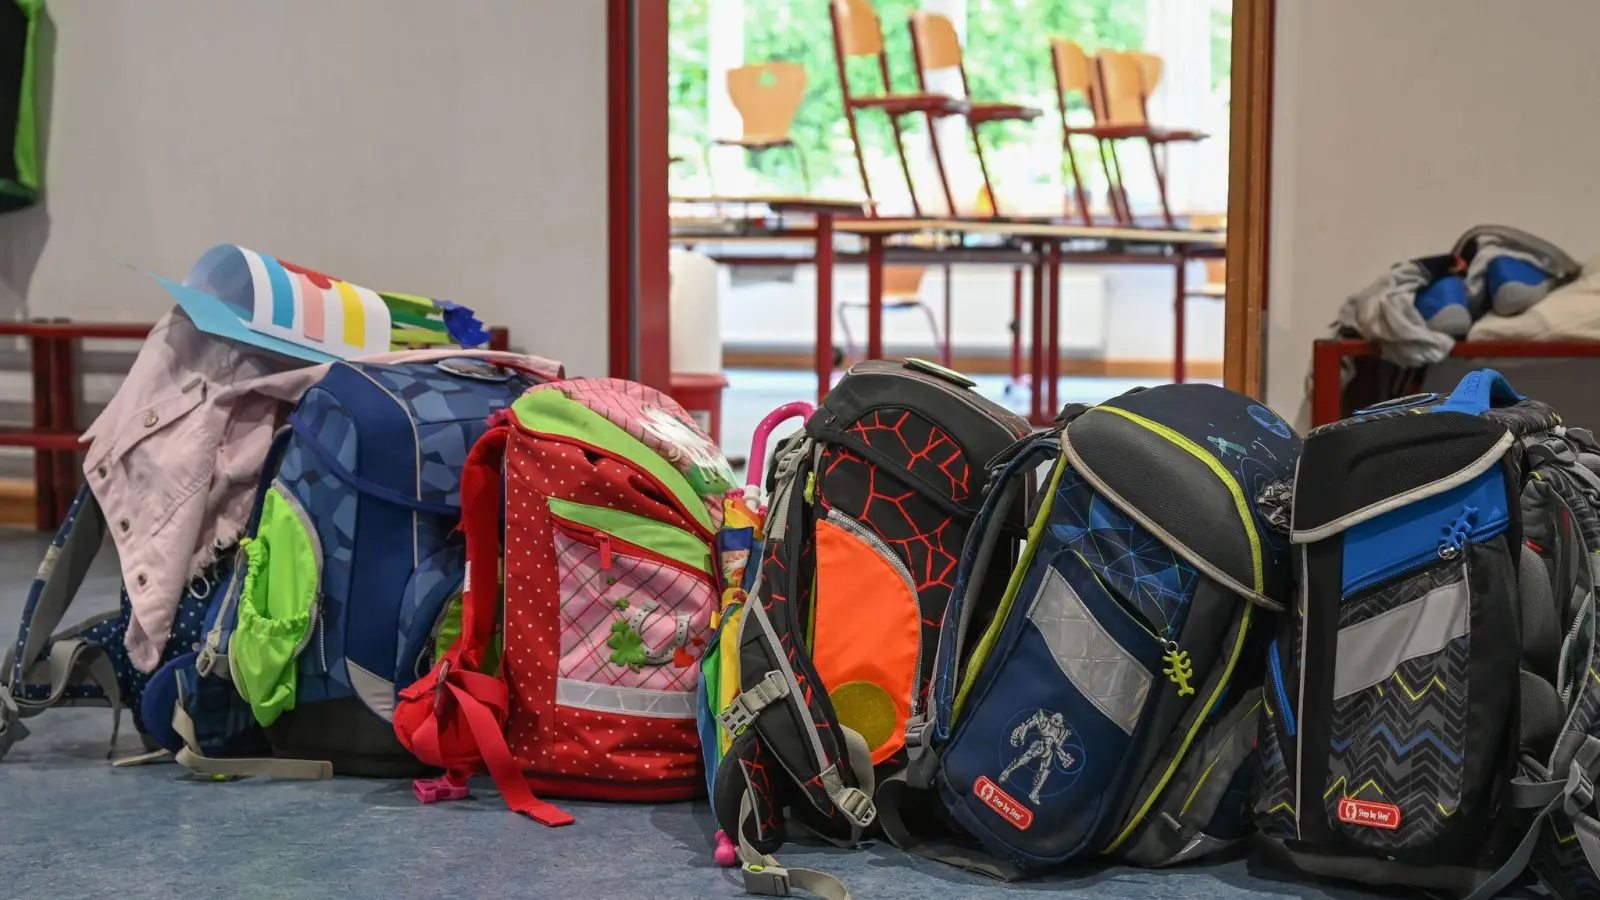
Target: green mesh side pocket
point(449, 629)
point(277, 606)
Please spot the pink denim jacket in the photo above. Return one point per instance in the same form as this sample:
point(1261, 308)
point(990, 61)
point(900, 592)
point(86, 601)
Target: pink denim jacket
point(175, 457)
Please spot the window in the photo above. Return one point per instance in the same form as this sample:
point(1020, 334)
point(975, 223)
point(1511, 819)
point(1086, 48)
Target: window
point(1007, 58)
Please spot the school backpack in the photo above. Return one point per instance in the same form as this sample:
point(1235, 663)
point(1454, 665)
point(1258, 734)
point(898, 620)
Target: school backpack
point(86, 664)
point(347, 579)
point(864, 530)
point(1433, 699)
point(1108, 706)
point(583, 682)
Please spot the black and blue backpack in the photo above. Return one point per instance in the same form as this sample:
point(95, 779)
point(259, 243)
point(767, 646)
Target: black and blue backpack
point(345, 586)
point(1108, 706)
point(1433, 718)
point(86, 664)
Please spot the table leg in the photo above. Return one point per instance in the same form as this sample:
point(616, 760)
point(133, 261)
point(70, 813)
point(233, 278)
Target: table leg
point(1179, 304)
point(946, 358)
point(1016, 327)
point(875, 296)
point(1053, 336)
point(40, 350)
point(63, 417)
point(824, 263)
point(1037, 323)
point(1326, 358)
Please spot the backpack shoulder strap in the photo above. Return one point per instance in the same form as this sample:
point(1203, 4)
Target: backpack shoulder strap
point(781, 695)
point(454, 717)
point(73, 662)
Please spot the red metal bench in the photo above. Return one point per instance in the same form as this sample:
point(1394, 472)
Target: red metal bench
point(1328, 355)
point(54, 433)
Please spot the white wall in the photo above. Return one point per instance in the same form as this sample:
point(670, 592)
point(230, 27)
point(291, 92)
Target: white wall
point(1398, 125)
point(455, 149)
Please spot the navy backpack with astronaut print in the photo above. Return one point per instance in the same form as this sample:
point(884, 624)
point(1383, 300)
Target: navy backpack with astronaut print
point(1110, 706)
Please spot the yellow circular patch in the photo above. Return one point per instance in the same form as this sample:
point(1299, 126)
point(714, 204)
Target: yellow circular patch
point(866, 709)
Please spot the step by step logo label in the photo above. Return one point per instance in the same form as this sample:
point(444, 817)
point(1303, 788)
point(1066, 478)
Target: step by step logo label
point(1369, 814)
point(1003, 803)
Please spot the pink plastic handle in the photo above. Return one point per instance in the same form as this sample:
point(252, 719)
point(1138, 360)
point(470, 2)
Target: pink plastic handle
point(434, 790)
point(758, 444)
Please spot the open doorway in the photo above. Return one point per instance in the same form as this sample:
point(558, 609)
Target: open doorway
point(1120, 320)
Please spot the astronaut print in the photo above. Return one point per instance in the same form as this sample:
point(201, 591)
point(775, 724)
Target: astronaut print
point(1042, 744)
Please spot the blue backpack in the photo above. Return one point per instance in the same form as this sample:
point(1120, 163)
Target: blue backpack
point(346, 583)
point(1108, 705)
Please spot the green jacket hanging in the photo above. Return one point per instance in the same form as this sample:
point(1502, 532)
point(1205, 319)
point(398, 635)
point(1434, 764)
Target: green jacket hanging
point(19, 151)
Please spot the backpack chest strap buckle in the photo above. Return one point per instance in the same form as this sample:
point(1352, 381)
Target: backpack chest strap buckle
point(749, 703)
point(766, 881)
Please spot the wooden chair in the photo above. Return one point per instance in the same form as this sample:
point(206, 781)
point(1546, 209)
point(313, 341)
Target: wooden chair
point(1125, 81)
point(1075, 75)
point(902, 289)
point(858, 33)
point(767, 96)
point(935, 47)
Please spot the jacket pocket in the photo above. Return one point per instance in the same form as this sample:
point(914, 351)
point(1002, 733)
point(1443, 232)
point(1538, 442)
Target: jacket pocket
point(866, 632)
point(162, 457)
point(277, 607)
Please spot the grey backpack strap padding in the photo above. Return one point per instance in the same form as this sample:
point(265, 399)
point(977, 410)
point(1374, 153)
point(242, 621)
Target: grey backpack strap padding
point(266, 767)
point(764, 876)
point(1574, 796)
point(60, 575)
point(893, 796)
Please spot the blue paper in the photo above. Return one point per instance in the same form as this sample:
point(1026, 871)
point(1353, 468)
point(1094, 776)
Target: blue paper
point(214, 316)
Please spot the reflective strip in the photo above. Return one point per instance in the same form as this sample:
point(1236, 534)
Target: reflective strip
point(1371, 651)
point(624, 700)
point(377, 693)
point(1102, 671)
point(1421, 492)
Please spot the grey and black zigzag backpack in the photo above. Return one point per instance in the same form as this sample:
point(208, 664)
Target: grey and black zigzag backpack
point(1433, 701)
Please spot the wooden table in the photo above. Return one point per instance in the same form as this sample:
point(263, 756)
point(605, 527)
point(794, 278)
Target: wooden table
point(1043, 245)
point(825, 213)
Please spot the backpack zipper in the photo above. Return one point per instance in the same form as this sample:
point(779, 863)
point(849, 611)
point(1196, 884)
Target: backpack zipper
point(882, 548)
point(1563, 677)
point(965, 395)
point(1455, 538)
point(1282, 693)
point(673, 500)
point(609, 545)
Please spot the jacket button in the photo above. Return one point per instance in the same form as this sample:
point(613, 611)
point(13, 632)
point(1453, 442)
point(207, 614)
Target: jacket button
point(151, 420)
point(101, 471)
point(123, 524)
point(141, 579)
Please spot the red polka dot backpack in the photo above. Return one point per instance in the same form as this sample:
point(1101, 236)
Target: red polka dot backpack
point(590, 509)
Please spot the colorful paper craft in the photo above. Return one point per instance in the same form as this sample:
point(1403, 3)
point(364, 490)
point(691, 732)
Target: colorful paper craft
point(256, 299)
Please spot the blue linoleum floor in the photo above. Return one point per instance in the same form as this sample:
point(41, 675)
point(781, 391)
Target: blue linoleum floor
point(73, 827)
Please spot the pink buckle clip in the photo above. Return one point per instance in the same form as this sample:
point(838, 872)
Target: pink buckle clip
point(433, 790)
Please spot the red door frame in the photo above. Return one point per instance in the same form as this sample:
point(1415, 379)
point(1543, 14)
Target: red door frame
point(636, 189)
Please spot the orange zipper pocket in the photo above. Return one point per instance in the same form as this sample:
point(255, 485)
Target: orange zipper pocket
point(867, 632)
